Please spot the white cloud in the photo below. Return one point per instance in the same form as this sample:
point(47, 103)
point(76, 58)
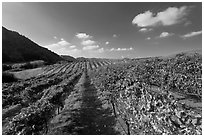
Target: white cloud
point(59, 44)
point(191, 34)
point(112, 49)
point(170, 16)
point(101, 50)
point(63, 42)
point(107, 42)
point(72, 46)
point(83, 36)
point(64, 48)
point(87, 42)
point(145, 29)
point(90, 47)
point(121, 49)
point(71, 52)
point(148, 38)
point(55, 37)
point(62, 51)
point(165, 34)
point(115, 36)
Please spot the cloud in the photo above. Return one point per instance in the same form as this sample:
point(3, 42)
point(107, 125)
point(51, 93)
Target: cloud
point(107, 43)
point(72, 46)
point(55, 37)
point(64, 48)
point(101, 50)
point(145, 30)
point(170, 16)
point(90, 47)
point(112, 49)
point(60, 44)
point(115, 36)
point(165, 34)
point(63, 42)
point(148, 38)
point(121, 49)
point(83, 36)
point(191, 34)
point(87, 42)
point(71, 52)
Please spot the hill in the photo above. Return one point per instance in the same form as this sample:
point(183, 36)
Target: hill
point(17, 48)
point(82, 59)
point(185, 53)
point(68, 58)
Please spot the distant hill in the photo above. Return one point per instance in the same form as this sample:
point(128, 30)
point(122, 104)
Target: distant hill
point(17, 48)
point(174, 55)
point(82, 59)
point(68, 58)
point(185, 53)
point(195, 51)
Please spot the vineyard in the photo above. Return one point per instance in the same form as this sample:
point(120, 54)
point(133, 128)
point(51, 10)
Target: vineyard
point(150, 96)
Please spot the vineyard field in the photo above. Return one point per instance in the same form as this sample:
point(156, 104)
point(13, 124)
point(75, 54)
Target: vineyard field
point(152, 96)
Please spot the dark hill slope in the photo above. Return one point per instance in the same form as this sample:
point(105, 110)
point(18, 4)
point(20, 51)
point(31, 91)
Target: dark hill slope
point(68, 58)
point(18, 48)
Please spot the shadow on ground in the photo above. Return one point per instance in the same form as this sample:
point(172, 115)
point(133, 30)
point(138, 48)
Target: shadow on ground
point(91, 118)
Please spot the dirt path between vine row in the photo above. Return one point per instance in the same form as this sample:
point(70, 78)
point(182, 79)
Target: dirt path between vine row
point(84, 113)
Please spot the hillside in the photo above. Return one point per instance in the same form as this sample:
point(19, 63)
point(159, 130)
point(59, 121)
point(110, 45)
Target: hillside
point(68, 58)
point(82, 59)
point(185, 53)
point(18, 48)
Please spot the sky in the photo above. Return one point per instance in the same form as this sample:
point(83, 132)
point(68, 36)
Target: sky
point(108, 30)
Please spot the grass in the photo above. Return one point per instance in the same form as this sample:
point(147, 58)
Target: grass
point(29, 73)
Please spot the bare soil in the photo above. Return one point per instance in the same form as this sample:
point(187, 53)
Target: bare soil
point(84, 113)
